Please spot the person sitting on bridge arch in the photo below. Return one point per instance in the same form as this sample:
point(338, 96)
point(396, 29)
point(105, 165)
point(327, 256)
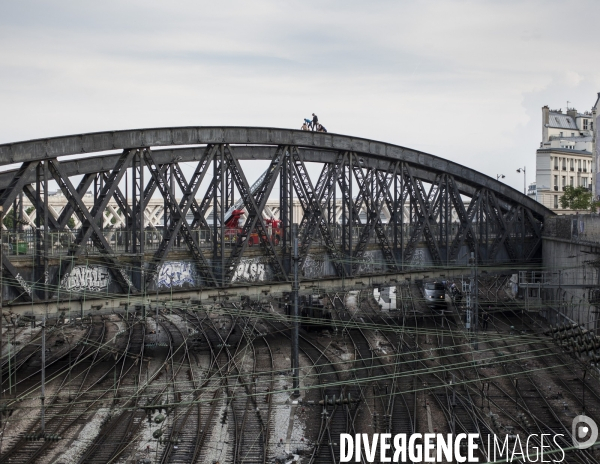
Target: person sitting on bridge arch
point(321, 128)
point(315, 121)
point(304, 126)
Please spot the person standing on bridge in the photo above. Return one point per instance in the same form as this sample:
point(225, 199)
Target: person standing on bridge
point(486, 319)
point(315, 121)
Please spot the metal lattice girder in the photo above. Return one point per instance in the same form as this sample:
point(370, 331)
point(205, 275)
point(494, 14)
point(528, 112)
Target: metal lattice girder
point(422, 202)
point(313, 219)
point(148, 192)
point(311, 200)
point(365, 195)
point(498, 218)
point(503, 232)
point(254, 204)
point(308, 223)
point(18, 181)
point(535, 234)
point(89, 220)
point(200, 220)
point(24, 290)
point(61, 223)
point(67, 212)
point(465, 229)
point(53, 222)
point(384, 181)
point(218, 215)
point(177, 223)
point(373, 194)
point(434, 205)
point(183, 185)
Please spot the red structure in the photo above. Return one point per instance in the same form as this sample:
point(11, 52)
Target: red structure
point(233, 229)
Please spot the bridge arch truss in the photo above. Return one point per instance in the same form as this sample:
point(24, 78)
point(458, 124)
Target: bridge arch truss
point(436, 212)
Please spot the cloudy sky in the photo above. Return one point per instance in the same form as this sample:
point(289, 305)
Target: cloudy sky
point(464, 80)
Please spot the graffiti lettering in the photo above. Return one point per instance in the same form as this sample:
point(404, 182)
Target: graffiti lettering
point(176, 273)
point(418, 258)
point(126, 278)
point(250, 270)
point(314, 267)
point(90, 278)
point(24, 284)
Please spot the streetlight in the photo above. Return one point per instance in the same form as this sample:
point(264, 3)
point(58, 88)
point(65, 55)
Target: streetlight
point(524, 171)
point(500, 176)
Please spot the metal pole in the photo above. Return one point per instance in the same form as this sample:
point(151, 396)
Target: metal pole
point(473, 299)
point(2, 282)
point(295, 328)
point(43, 395)
point(476, 303)
point(583, 393)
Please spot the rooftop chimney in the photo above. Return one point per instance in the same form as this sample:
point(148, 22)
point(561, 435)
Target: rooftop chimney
point(545, 121)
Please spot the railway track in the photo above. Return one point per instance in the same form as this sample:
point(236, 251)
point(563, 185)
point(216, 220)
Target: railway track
point(214, 379)
point(60, 418)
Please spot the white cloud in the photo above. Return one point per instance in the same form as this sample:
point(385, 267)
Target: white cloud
point(460, 79)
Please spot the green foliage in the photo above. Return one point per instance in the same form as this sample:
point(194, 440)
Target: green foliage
point(578, 198)
point(9, 220)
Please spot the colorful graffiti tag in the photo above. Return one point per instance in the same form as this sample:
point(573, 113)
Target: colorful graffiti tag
point(86, 278)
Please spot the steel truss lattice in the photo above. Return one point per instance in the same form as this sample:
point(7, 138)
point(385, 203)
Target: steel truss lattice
point(362, 202)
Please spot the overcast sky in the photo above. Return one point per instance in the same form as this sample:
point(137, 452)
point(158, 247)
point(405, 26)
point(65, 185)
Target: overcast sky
point(464, 80)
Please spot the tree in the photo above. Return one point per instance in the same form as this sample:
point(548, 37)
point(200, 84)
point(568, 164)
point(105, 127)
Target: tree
point(9, 219)
point(578, 198)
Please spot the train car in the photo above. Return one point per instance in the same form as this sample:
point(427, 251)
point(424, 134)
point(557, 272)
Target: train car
point(315, 316)
point(434, 293)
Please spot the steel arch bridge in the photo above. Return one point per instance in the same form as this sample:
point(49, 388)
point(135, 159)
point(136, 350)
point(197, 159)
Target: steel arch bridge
point(438, 213)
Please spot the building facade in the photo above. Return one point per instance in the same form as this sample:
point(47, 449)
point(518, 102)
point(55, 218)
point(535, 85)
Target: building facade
point(596, 148)
point(565, 155)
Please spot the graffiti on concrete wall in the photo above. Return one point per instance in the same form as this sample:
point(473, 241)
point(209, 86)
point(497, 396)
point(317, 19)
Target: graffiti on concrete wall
point(176, 273)
point(92, 278)
point(251, 270)
point(314, 267)
point(370, 262)
point(418, 258)
point(23, 284)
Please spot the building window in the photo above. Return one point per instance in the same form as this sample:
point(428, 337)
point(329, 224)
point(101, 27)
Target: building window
point(572, 164)
point(579, 165)
point(555, 201)
point(571, 181)
point(561, 134)
point(555, 182)
point(556, 163)
point(584, 182)
point(564, 164)
point(585, 124)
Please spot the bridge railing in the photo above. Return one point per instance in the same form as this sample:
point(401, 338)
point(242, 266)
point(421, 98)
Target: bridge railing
point(120, 240)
